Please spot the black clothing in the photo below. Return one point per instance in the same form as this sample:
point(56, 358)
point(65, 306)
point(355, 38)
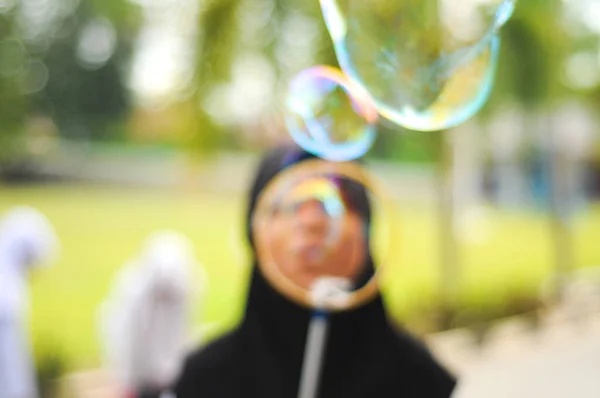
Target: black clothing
point(262, 358)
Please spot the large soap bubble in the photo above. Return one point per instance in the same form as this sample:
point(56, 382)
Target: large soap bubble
point(428, 64)
point(321, 221)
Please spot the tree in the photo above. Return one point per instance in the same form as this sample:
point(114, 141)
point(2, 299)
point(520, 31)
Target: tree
point(13, 101)
point(86, 93)
point(67, 60)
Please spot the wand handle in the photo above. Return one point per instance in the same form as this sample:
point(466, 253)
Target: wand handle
point(313, 355)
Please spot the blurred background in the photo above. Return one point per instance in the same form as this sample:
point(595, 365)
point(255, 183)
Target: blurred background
point(121, 117)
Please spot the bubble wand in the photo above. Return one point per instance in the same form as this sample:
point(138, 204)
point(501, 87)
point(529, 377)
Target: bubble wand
point(325, 291)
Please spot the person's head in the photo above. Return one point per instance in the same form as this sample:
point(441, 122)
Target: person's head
point(167, 262)
point(27, 237)
point(319, 227)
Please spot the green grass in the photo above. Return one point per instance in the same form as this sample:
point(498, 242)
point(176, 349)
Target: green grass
point(502, 255)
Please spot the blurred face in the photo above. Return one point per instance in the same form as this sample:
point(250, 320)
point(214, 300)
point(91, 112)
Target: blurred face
point(308, 240)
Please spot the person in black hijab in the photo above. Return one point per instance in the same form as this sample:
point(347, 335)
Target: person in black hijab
point(366, 356)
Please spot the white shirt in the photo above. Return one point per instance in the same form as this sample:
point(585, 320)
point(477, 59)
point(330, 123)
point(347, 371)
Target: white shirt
point(146, 317)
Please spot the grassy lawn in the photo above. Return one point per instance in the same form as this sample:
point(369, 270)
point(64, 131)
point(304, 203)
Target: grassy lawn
point(502, 254)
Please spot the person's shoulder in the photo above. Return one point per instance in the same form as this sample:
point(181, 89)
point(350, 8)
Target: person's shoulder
point(412, 344)
point(425, 366)
point(214, 355)
point(208, 370)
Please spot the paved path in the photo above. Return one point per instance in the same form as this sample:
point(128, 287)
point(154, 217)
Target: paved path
point(560, 361)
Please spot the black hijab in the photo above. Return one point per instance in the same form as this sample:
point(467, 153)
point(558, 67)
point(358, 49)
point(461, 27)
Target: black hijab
point(262, 358)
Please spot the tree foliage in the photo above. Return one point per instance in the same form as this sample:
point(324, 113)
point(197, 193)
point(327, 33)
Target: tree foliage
point(94, 102)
